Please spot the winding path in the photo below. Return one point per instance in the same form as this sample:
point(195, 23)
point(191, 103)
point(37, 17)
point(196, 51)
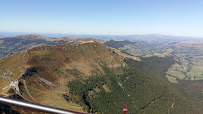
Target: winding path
point(9, 78)
point(13, 84)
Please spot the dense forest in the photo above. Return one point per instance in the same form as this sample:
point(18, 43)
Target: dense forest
point(142, 86)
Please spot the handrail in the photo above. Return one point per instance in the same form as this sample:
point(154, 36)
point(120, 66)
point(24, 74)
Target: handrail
point(34, 106)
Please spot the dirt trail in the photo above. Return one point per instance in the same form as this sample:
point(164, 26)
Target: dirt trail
point(152, 101)
point(13, 85)
point(171, 107)
point(27, 91)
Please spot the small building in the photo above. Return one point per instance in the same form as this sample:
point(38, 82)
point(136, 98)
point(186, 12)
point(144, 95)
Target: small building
point(125, 109)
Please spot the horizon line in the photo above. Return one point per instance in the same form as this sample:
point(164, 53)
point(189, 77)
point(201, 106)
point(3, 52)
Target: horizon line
point(38, 33)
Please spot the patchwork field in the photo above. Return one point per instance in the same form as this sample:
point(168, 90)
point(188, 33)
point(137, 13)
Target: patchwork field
point(188, 55)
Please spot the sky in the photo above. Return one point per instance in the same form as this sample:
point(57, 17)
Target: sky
point(103, 17)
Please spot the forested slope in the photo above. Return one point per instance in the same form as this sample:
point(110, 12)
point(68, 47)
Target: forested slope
point(141, 86)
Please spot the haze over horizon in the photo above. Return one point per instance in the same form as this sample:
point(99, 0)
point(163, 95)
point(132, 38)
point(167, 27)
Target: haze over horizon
point(106, 17)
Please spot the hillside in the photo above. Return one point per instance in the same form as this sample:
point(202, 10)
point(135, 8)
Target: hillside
point(188, 54)
point(44, 71)
point(185, 73)
point(88, 76)
point(11, 45)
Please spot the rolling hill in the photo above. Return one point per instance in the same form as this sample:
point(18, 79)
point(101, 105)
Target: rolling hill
point(11, 45)
point(45, 71)
point(88, 76)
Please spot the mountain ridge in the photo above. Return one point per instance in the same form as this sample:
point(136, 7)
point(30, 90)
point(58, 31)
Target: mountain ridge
point(85, 75)
point(50, 68)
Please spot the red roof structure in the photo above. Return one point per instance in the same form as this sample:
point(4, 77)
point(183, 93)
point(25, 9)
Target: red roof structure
point(125, 109)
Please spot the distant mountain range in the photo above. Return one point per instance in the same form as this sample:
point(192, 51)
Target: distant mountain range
point(14, 44)
point(114, 37)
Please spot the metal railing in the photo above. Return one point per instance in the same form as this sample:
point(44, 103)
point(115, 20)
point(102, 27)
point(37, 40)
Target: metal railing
point(34, 106)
